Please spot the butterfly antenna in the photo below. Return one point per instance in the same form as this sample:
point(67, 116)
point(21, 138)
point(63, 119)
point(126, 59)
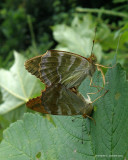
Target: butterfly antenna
point(94, 40)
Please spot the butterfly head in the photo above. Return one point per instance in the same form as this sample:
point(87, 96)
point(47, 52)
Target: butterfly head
point(92, 59)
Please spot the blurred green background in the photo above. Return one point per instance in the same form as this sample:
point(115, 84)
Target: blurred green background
point(32, 27)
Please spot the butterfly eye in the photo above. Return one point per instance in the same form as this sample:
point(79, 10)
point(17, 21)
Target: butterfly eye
point(93, 58)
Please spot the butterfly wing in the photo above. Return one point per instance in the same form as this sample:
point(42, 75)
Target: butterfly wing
point(32, 65)
point(63, 67)
point(36, 105)
point(58, 100)
point(59, 67)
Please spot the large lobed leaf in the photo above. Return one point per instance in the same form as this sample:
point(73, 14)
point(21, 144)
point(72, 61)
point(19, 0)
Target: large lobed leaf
point(37, 138)
point(77, 38)
point(17, 85)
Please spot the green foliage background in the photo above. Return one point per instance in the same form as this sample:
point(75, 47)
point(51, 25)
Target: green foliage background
point(32, 27)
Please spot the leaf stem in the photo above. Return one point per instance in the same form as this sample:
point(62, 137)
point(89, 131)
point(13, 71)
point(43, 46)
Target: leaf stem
point(102, 11)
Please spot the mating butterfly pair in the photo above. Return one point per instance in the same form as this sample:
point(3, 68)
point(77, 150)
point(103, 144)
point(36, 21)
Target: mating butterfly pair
point(62, 72)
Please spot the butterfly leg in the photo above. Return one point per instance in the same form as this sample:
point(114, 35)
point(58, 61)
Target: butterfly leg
point(95, 92)
point(93, 85)
point(101, 88)
point(86, 116)
point(97, 87)
point(100, 65)
point(100, 96)
point(99, 69)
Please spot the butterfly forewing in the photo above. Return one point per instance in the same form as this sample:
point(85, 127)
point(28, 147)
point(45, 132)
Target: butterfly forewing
point(60, 67)
point(32, 65)
point(63, 67)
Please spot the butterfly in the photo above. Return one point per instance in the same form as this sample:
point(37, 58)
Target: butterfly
point(66, 68)
point(62, 72)
point(59, 100)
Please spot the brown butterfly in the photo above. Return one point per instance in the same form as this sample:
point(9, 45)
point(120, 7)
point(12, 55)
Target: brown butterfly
point(58, 100)
point(62, 72)
point(68, 69)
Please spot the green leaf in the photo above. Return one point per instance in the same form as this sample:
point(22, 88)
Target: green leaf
point(109, 137)
point(36, 137)
point(17, 85)
point(78, 37)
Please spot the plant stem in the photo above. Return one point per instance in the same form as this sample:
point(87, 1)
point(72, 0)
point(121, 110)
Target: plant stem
point(102, 11)
point(31, 31)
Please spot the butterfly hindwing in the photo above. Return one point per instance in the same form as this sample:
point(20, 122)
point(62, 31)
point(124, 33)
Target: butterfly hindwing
point(36, 105)
point(58, 100)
